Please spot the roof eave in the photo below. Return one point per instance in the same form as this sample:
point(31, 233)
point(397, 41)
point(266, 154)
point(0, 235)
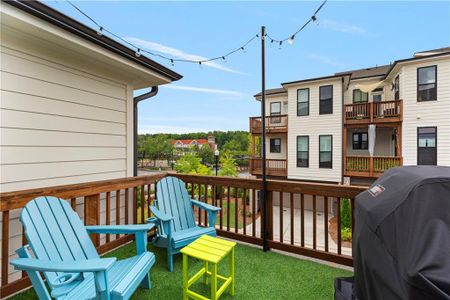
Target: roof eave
point(73, 26)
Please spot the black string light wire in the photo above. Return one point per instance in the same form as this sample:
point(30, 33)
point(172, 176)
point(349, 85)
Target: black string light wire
point(290, 39)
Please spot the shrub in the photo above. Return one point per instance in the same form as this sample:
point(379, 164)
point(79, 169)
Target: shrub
point(346, 234)
point(346, 214)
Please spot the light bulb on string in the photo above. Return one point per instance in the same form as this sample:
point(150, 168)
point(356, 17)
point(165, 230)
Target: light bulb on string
point(314, 19)
point(138, 53)
point(291, 40)
point(200, 64)
point(224, 59)
point(243, 50)
point(279, 45)
point(100, 31)
point(172, 62)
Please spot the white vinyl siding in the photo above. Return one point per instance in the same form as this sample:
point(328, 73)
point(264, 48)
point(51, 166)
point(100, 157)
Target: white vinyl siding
point(60, 123)
point(313, 126)
point(272, 155)
point(426, 113)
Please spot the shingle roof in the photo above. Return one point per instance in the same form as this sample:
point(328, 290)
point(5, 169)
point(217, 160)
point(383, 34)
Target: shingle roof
point(367, 72)
point(433, 51)
point(272, 92)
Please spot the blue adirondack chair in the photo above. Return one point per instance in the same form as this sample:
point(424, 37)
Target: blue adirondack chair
point(174, 216)
point(63, 251)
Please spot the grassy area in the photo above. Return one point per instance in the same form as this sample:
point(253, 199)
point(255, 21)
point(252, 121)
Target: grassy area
point(259, 275)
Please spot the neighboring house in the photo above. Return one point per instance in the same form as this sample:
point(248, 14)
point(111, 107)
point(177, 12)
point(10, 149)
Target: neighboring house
point(321, 129)
point(183, 146)
point(67, 105)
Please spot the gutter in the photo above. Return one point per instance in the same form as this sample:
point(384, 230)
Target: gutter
point(136, 100)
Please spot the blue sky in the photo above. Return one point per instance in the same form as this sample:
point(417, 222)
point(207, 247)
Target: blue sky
point(219, 97)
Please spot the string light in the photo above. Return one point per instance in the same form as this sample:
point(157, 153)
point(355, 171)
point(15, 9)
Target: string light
point(290, 40)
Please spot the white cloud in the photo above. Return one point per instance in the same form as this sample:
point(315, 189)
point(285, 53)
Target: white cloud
point(177, 53)
point(341, 27)
point(324, 59)
point(204, 90)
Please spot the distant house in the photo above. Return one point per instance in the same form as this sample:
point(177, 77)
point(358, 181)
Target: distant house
point(184, 146)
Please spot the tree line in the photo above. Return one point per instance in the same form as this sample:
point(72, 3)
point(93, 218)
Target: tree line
point(232, 145)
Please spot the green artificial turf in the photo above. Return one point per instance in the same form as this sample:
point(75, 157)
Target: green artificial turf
point(259, 275)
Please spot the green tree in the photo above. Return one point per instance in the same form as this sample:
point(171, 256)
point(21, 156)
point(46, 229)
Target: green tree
point(158, 148)
point(206, 155)
point(228, 165)
point(190, 164)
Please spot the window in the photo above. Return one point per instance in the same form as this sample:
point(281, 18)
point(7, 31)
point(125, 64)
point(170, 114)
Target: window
point(377, 95)
point(275, 110)
point(359, 96)
point(326, 99)
point(303, 102)
point(303, 151)
point(360, 141)
point(426, 83)
point(397, 88)
point(376, 98)
point(275, 145)
point(426, 146)
point(326, 151)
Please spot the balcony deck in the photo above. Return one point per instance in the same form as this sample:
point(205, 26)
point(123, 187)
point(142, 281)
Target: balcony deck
point(259, 275)
point(366, 166)
point(274, 124)
point(294, 217)
point(374, 112)
point(274, 167)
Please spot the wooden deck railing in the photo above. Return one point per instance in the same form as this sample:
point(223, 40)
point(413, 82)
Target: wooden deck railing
point(274, 124)
point(374, 112)
point(309, 210)
point(367, 166)
point(274, 167)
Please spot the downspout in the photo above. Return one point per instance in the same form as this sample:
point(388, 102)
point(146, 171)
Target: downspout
point(136, 100)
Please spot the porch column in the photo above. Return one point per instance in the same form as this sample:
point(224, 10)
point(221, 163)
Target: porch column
point(399, 143)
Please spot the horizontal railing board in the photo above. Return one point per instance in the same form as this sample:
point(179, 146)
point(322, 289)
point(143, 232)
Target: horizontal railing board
point(18, 199)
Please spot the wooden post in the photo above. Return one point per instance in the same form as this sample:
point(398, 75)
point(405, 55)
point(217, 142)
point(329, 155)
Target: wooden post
point(344, 149)
point(92, 216)
point(269, 215)
point(371, 111)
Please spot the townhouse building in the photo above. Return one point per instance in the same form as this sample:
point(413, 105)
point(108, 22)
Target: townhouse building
point(352, 126)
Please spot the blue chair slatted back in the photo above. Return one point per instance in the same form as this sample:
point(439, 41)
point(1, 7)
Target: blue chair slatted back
point(55, 232)
point(172, 198)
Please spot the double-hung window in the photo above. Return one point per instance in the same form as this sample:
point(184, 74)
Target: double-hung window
point(275, 145)
point(326, 99)
point(275, 110)
point(303, 102)
point(303, 151)
point(326, 151)
point(359, 96)
point(360, 141)
point(427, 83)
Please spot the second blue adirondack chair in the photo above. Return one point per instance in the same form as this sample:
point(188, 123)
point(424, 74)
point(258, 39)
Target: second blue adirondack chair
point(174, 216)
point(64, 252)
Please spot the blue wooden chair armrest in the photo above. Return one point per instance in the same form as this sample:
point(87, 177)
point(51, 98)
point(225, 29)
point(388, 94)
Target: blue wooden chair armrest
point(119, 229)
point(89, 265)
point(212, 211)
point(205, 206)
point(140, 233)
point(160, 215)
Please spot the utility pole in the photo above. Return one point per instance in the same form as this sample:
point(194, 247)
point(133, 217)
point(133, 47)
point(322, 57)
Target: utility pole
point(263, 138)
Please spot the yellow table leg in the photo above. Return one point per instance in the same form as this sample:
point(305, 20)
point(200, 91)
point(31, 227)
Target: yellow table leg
point(213, 281)
point(205, 276)
point(185, 276)
point(232, 272)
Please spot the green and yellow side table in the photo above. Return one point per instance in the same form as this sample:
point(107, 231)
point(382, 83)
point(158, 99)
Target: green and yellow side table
point(210, 250)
